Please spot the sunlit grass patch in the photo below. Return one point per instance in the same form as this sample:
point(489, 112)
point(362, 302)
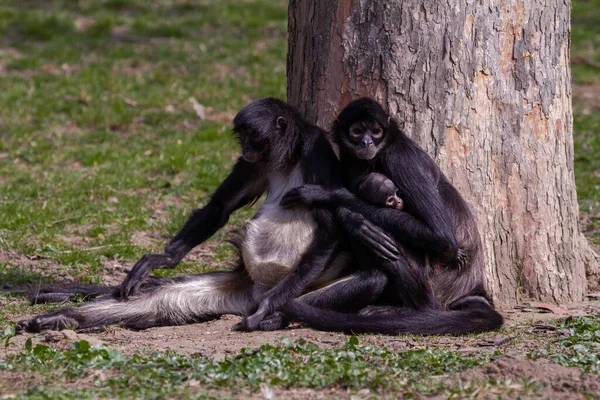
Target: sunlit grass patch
point(578, 346)
point(299, 364)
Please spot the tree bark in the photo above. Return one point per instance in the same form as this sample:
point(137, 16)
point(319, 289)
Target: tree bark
point(484, 87)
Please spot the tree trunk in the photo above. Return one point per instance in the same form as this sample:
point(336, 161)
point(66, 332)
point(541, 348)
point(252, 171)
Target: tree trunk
point(484, 88)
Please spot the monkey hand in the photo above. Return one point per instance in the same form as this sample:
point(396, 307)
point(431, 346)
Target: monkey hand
point(253, 322)
point(142, 269)
point(273, 322)
point(306, 195)
point(369, 234)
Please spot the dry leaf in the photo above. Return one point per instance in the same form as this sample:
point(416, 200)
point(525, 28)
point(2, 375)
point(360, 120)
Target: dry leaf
point(130, 102)
point(199, 109)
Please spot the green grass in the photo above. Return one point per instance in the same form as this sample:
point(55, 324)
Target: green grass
point(97, 125)
point(587, 164)
point(578, 345)
point(585, 41)
point(301, 364)
point(65, 374)
point(99, 140)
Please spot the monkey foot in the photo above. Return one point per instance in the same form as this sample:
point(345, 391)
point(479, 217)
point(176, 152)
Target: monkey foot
point(56, 322)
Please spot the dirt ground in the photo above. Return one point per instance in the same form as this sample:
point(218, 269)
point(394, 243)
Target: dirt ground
point(216, 339)
point(558, 382)
point(527, 330)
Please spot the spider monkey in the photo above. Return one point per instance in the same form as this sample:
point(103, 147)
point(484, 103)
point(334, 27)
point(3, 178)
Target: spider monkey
point(283, 251)
point(379, 190)
point(435, 220)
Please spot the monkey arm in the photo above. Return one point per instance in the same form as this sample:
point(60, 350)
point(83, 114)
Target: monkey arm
point(402, 225)
point(244, 185)
point(431, 213)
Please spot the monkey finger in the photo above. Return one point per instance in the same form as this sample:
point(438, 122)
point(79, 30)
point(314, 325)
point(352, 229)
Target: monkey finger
point(377, 235)
point(249, 324)
point(380, 243)
point(133, 281)
point(126, 289)
point(242, 326)
point(275, 322)
point(380, 250)
point(384, 252)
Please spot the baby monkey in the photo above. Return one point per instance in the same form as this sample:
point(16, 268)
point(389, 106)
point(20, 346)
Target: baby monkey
point(379, 190)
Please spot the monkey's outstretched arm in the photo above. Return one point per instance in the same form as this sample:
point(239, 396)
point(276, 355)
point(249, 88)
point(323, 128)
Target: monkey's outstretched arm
point(244, 185)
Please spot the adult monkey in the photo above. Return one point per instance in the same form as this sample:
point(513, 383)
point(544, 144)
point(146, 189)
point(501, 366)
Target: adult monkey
point(283, 251)
point(435, 219)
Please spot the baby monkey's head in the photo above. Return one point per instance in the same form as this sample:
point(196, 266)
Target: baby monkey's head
point(378, 189)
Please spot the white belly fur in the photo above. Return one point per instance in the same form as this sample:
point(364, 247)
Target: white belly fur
point(275, 242)
point(277, 238)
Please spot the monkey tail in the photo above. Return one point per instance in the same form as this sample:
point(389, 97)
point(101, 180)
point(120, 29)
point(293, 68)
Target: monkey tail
point(65, 292)
point(475, 318)
point(161, 301)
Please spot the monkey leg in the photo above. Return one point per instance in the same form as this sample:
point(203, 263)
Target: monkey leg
point(348, 294)
point(168, 301)
point(408, 282)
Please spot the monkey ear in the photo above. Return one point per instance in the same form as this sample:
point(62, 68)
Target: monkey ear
point(281, 123)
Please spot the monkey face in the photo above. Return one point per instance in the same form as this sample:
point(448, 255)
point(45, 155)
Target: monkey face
point(390, 192)
point(265, 130)
point(364, 138)
point(257, 142)
point(380, 190)
point(253, 144)
point(362, 129)
point(394, 201)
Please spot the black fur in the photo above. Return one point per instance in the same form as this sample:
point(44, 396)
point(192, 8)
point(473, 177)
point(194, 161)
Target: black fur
point(379, 190)
point(435, 220)
point(275, 139)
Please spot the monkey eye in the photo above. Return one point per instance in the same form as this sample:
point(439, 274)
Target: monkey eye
point(390, 201)
point(377, 133)
point(253, 135)
point(355, 133)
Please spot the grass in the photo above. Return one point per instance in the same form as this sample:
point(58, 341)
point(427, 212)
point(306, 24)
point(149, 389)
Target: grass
point(300, 364)
point(97, 121)
point(578, 345)
point(586, 119)
point(84, 371)
point(99, 141)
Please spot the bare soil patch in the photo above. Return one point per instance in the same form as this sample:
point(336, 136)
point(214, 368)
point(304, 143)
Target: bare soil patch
point(551, 381)
point(217, 339)
point(213, 338)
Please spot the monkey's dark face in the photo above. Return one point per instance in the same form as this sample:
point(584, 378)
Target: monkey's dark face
point(254, 144)
point(259, 141)
point(364, 138)
point(388, 194)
